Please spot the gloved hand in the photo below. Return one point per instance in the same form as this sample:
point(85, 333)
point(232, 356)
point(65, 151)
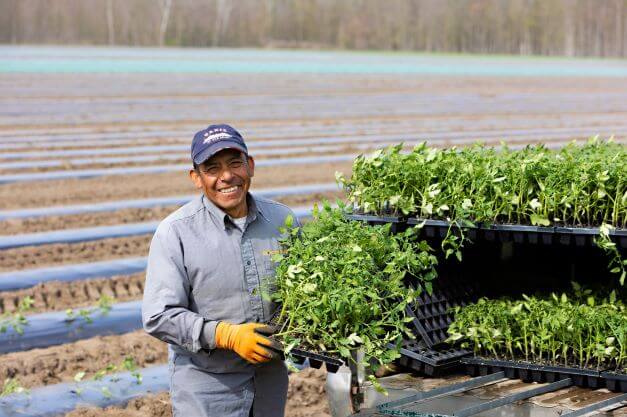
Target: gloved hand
point(247, 340)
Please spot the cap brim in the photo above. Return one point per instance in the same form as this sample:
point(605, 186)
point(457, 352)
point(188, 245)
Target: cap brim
point(217, 147)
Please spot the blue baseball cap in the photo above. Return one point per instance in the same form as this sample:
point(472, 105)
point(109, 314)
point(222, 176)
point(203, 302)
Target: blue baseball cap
point(213, 139)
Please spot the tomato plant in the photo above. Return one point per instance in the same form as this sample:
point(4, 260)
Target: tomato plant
point(341, 286)
point(574, 186)
point(577, 329)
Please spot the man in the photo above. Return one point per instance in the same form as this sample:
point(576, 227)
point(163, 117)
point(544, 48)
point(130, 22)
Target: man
point(208, 266)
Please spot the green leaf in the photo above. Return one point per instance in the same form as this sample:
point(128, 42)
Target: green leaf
point(538, 220)
point(106, 392)
point(355, 339)
point(289, 221)
point(344, 352)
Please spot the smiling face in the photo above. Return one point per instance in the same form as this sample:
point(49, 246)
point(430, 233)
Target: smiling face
point(225, 179)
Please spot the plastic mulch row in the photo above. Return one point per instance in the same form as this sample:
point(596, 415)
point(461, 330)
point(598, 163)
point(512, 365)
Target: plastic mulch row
point(567, 236)
point(416, 356)
point(585, 378)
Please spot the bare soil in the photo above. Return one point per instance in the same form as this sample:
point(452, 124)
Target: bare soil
point(64, 253)
point(100, 250)
point(370, 104)
point(44, 224)
point(156, 405)
point(127, 142)
point(58, 295)
point(306, 397)
point(68, 166)
point(92, 190)
point(131, 215)
point(60, 363)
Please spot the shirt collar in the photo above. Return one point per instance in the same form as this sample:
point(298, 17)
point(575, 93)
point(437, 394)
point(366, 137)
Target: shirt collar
point(221, 219)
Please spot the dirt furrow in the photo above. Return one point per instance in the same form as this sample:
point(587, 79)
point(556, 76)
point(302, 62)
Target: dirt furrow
point(65, 253)
point(60, 363)
point(68, 166)
point(44, 224)
point(59, 295)
point(92, 190)
point(42, 146)
point(306, 397)
point(131, 215)
point(100, 250)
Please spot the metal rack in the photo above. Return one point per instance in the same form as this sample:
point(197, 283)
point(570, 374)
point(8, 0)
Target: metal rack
point(408, 406)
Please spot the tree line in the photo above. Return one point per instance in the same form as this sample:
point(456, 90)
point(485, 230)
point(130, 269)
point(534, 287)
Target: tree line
point(542, 27)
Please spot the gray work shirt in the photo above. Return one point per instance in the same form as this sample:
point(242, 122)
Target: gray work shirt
point(203, 269)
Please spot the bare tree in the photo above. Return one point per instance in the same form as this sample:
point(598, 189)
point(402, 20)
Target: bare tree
point(563, 27)
point(110, 22)
point(166, 6)
point(221, 22)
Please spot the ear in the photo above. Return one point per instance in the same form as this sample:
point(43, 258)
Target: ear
point(251, 166)
point(195, 177)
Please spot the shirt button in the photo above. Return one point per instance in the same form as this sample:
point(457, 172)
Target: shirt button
point(248, 263)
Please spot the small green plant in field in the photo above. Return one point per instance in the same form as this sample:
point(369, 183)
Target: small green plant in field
point(17, 320)
point(103, 308)
point(78, 377)
point(128, 364)
point(341, 285)
point(578, 330)
point(12, 386)
point(104, 372)
point(576, 186)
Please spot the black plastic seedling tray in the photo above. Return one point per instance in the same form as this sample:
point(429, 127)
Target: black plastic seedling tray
point(316, 360)
point(615, 382)
point(518, 233)
point(432, 313)
point(398, 223)
point(528, 372)
point(432, 362)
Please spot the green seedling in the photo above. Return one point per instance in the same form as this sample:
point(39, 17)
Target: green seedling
point(576, 186)
point(17, 320)
point(12, 386)
point(341, 285)
point(128, 364)
point(578, 330)
point(103, 308)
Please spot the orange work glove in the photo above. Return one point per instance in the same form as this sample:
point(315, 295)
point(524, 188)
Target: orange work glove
point(247, 340)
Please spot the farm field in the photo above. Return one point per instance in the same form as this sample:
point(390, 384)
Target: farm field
point(98, 142)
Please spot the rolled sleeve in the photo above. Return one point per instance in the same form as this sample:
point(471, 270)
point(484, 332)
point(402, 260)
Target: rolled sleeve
point(165, 306)
point(208, 340)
